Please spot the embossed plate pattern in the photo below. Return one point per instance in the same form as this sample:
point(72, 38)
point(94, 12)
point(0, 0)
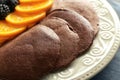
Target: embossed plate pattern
point(101, 52)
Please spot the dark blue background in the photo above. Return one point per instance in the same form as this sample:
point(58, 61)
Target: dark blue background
point(112, 71)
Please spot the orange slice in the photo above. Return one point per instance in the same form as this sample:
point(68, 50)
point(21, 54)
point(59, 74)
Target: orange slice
point(30, 1)
point(8, 30)
point(6, 38)
point(17, 19)
point(2, 39)
point(34, 7)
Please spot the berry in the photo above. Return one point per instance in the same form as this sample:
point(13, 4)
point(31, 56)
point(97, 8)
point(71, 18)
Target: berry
point(6, 7)
point(4, 11)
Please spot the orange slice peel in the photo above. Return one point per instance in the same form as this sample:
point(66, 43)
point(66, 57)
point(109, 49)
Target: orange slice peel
point(31, 1)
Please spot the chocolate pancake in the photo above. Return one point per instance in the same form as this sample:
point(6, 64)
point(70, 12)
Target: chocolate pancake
point(69, 40)
point(83, 7)
point(30, 55)
point(79, 24)
point(66, 32)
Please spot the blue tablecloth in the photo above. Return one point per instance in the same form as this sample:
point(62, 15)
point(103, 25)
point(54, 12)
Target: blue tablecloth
point(112, 71)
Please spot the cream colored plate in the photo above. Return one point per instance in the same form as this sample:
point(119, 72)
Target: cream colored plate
point(101, 52)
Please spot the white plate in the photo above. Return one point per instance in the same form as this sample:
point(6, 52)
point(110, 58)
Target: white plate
point(101, 52)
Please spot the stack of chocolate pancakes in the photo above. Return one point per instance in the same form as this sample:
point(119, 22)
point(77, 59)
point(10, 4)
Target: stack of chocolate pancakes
point(66, 32)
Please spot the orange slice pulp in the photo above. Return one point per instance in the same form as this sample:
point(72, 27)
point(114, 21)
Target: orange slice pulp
point(8, 30)
point(17, 19)
point(34, 7)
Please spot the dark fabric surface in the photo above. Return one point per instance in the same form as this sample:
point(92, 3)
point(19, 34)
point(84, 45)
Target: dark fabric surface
point(112, 71)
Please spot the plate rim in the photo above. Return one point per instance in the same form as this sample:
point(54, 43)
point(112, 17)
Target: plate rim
point(112, 51)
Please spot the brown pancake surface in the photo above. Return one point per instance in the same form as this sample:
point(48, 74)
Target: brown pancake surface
point(79, 24)
point(30, 55)
point(69, 40)
point(83, 7)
